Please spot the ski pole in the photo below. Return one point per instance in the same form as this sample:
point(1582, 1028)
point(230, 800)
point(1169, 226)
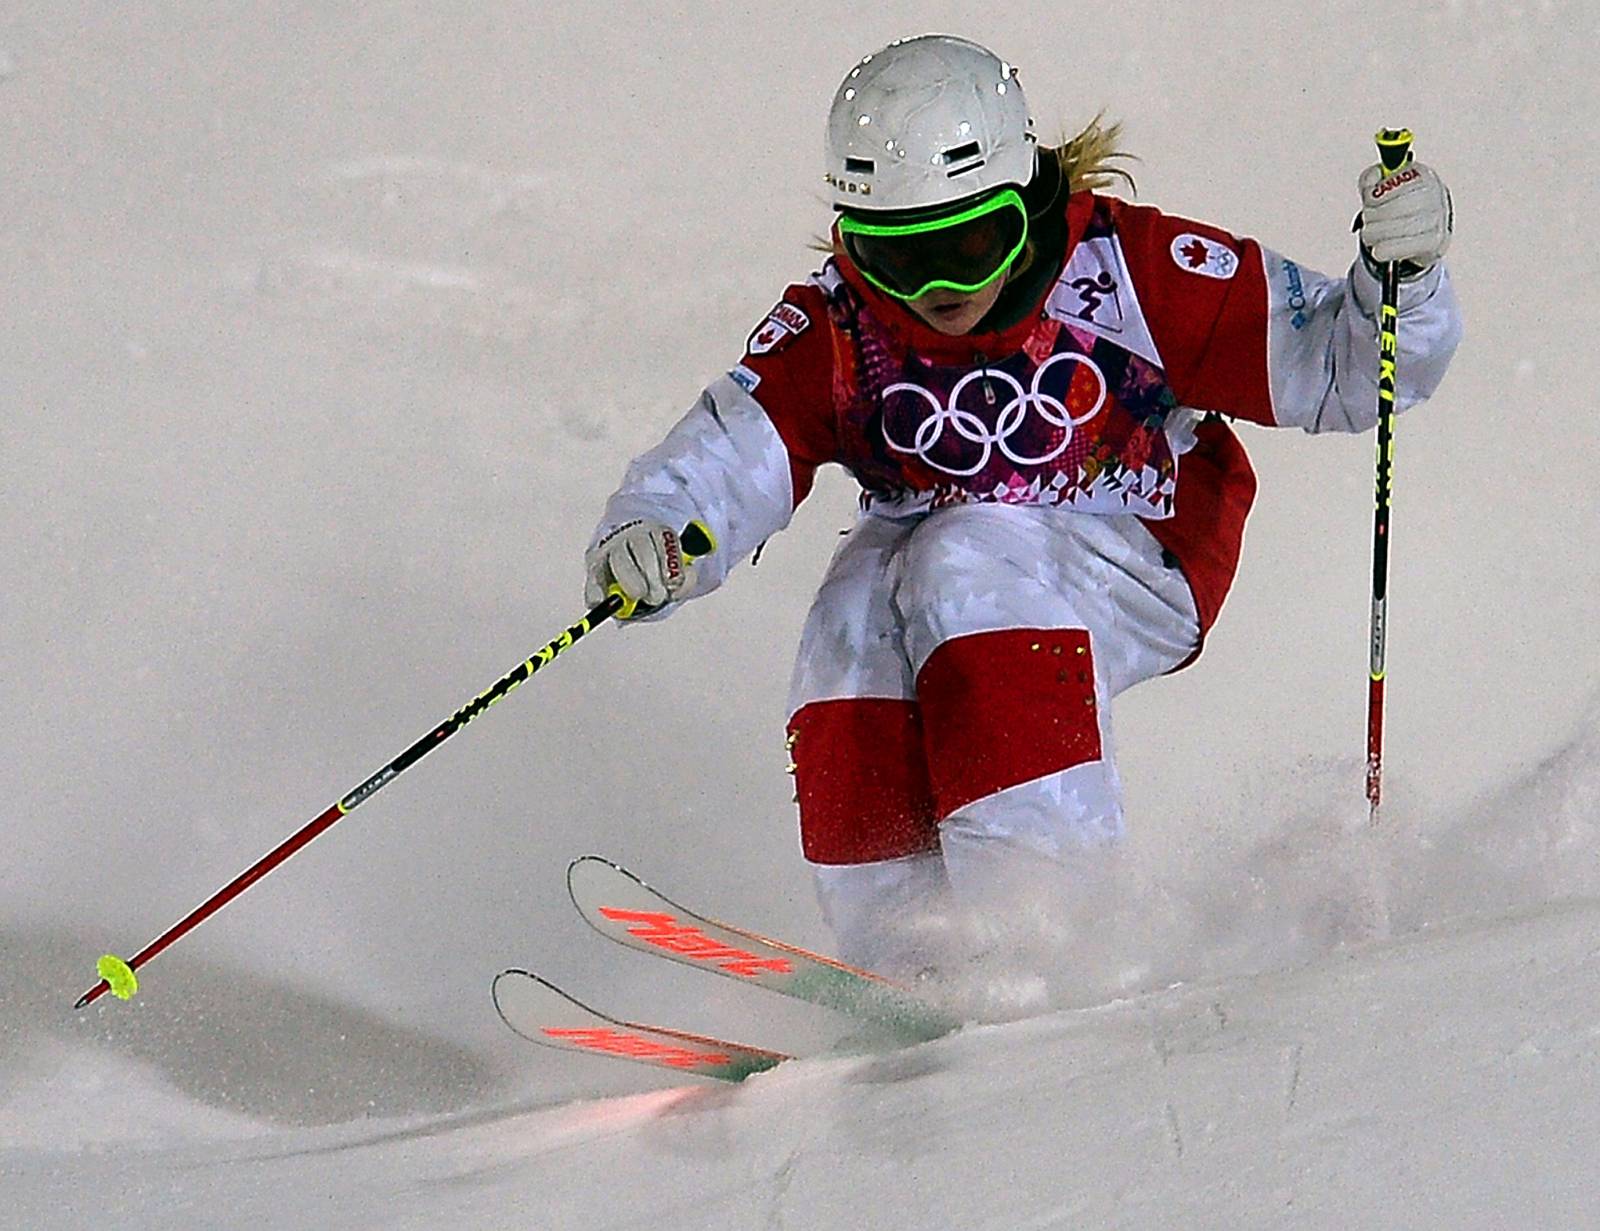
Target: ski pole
point(1394, 151)
point(116, 975)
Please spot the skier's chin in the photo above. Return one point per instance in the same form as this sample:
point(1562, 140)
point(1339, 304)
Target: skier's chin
point(954, 315)
point(950, 319)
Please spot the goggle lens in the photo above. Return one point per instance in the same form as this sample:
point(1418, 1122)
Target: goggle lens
point(963, 252)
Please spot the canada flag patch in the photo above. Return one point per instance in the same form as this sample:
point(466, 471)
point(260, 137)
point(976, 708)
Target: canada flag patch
point(783, 325)
point(1203, 256)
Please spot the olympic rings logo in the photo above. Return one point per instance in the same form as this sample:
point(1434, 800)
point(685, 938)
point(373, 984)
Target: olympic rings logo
point(971, 428)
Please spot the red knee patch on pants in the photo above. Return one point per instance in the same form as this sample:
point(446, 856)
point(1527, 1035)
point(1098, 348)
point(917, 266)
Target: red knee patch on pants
point(861, 777)
point(1005, 708)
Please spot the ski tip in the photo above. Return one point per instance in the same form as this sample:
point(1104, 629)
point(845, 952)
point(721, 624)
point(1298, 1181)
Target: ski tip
point(591, 867)
point(515, 972)
point(500, 991)
point(537, 1010)
point(494, 987)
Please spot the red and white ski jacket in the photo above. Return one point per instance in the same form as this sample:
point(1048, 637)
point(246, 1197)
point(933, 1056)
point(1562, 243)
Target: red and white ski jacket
point(1103, 401)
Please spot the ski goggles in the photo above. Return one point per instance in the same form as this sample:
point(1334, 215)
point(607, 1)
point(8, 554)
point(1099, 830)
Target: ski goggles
point(962, 252)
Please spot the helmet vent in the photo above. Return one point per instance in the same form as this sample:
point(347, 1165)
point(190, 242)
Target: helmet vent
point(961, 153)
point(860, 166)
point(971, 154)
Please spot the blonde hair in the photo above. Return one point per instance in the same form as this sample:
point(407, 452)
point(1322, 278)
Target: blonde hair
point(1087, 160)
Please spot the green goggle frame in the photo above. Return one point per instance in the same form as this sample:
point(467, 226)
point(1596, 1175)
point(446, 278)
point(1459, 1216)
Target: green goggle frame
point(1008, 198)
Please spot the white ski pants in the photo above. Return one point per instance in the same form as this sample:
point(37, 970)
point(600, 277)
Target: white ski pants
point(949, 713)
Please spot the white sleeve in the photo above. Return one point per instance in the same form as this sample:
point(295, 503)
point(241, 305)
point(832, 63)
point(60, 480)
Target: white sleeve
point(725, 464)
point(1322, 343)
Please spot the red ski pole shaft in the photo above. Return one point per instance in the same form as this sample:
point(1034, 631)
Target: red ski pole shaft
point(336, 812)
point(696, 541)
point(1394, 150)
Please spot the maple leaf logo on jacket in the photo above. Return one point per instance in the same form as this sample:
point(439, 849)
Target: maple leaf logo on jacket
point(1199, 255)
point(784, 324)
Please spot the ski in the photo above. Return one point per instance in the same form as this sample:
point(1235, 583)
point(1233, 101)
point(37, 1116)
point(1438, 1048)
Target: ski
point(619, 905)
point(541, 1012)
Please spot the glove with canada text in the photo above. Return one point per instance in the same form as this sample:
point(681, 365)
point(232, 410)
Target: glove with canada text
point(1406, 217)
point(644, 561)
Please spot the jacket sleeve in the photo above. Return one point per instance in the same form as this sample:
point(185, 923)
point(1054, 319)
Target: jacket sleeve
point(1322, 343)
point(1249, 333)
point(744, 455)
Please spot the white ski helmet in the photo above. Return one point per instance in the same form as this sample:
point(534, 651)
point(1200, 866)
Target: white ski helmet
point(927, 121)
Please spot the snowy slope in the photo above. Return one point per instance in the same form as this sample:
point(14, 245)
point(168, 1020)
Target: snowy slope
point(1451, 1080)
point(328, 329)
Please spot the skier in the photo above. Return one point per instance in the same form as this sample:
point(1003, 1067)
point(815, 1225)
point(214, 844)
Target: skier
point(1028, 378)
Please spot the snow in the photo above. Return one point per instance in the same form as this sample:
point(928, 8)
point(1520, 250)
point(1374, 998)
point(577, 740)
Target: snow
point(1449, 1080)
point(327, 334)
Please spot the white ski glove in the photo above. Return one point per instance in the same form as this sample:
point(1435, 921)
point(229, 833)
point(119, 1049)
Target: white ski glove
point(645, 561)
point(1406, 216)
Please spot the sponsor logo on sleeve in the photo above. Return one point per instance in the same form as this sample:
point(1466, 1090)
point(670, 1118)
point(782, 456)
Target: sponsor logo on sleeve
point(744, 378)
point(1296, 294)
point(1199, 255)
point(783, 325)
